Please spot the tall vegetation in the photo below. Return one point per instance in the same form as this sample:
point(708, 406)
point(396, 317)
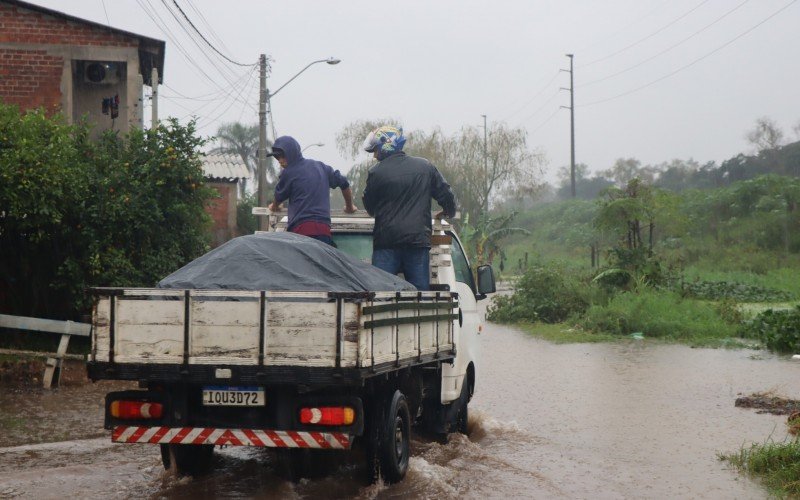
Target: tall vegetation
point(507, 169)
point(76, 213)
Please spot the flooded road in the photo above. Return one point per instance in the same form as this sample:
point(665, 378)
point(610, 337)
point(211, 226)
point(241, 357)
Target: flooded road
point(627, 420)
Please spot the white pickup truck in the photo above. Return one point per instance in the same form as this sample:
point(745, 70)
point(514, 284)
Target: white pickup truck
point(297, 371)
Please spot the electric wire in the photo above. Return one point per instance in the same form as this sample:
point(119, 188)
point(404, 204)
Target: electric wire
point(108, 21)
point(223, 100)
point(208, 25)
point(592, 82)
point(211, 121)
point(204, 38)
point(156, 18)
point(623, 28)
point(546, 121)
point(708, 54)
point(218, 102)
point(531, 99)
point(211, 61)
point(590, 63)
point(544, 104)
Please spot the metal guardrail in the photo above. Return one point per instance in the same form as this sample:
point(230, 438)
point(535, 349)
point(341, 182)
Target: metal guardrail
point(54, 363)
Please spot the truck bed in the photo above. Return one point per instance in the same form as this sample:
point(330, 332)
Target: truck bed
point(255, 336)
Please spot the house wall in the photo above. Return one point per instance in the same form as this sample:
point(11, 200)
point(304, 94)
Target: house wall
point(223, 212)
point(37, 59)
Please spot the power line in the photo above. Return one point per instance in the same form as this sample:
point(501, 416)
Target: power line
point(537, 94)
point(213, 63)
point(108, 21)
point(162, 26)
point(204, 38)
point(622, 29)
point(647, 37)
point(740, 35)
point(544, 104)
point(720, 18)
point(547, 120)
point(208, 25)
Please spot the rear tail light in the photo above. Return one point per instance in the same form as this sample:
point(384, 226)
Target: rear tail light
point(133, 410)
point(328, 415)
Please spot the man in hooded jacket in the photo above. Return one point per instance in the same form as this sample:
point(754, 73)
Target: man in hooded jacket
point(305, 184)
point(398, 194)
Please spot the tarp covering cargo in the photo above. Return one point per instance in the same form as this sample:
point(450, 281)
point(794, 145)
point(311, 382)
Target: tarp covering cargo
point(281, 261)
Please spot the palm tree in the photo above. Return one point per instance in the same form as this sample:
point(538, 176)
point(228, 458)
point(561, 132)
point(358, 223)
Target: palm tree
point(485, 237)
point(242, 140)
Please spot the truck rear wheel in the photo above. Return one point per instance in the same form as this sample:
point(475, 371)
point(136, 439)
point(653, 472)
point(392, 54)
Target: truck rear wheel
point(187, 459)
point(394, 439)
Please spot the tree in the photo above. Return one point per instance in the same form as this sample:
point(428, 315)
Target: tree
point(123, 211)
point(483, 237)
point(242, 140)
point(627, 169)
point(766, 135)
point(509, 169)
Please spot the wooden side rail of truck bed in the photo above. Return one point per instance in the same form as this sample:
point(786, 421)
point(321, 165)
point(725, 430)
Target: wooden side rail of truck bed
point(247, 336)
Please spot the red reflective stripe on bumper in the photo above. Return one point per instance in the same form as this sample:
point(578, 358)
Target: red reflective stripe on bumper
point(248, 437)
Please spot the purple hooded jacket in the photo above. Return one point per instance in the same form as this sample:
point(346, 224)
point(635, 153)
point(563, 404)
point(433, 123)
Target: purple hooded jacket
point(305, 183)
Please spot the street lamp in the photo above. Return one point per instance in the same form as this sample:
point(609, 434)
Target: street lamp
point(315, 144)
point(264, 101)
point(330, 60)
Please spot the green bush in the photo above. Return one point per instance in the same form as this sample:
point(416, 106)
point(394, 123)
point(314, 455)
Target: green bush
point(245, 220)
point(657, 314)
point(545, 294)
point(76, 213)
point(741, 292)
point(778, 330)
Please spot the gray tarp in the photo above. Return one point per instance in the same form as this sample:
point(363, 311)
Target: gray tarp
point(282, 262)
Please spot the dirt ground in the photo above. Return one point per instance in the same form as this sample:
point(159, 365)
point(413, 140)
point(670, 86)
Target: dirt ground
point(28, 372)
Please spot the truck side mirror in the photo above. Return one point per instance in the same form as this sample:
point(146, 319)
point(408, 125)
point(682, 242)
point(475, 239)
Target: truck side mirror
point(486, 282)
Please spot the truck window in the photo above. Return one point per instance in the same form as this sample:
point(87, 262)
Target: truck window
point(461, 265)
point(355, 245)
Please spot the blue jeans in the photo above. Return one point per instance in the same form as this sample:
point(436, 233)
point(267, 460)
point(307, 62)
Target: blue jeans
point(324, 238)
point(413, 262)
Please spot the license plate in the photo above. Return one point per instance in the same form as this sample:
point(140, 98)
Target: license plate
point(233, 396)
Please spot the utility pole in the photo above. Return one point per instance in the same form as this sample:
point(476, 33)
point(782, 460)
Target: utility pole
point(262, 142)
point(154, 107)
point(485, 163)
point(571, 124)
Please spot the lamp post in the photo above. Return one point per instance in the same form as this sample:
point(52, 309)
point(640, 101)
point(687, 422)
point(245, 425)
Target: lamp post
point(315, 144)
point(264, 100)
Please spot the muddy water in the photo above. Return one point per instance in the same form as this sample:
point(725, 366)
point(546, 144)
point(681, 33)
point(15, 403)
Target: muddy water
point(629, 420)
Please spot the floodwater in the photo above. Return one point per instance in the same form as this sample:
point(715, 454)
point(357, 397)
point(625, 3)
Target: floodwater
point(626, 420)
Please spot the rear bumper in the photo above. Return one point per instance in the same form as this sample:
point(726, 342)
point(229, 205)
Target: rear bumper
point(231, 437)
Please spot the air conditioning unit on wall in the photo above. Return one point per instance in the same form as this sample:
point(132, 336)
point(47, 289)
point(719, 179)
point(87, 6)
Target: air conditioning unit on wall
point(101, 73)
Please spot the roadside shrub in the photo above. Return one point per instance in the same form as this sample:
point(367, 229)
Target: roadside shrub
point(657, 314)
point(75, 213)
point(545, 294)
point(778, 330)
point(741, 292)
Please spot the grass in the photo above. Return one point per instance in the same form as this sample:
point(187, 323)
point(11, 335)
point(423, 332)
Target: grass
point(660, 314)
point(777, 465)
point(564, 333)
point(779, 278)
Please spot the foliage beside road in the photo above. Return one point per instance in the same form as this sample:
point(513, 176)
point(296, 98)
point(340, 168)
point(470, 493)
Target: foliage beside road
point(75, 213)
point(674, 266)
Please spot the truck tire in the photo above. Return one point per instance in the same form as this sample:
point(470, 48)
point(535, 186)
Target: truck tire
point(463, 419)
point(394, 439)
point(294, 464)
point(187, 459)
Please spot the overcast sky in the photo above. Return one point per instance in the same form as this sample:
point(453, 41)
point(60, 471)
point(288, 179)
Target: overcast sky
point(654, 79)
